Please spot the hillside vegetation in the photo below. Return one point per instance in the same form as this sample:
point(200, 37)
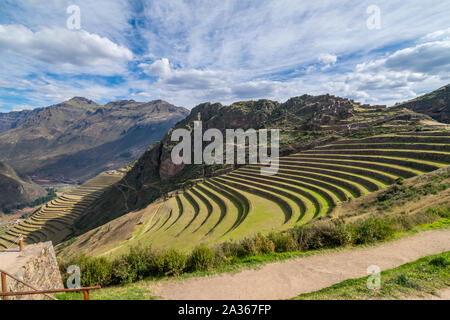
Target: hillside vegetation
point(77, 139)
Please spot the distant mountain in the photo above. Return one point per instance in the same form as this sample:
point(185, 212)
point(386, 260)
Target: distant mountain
point(436, 104)
point(304, 122)
point(14, 119)
point(17, 190)
point(77, 139)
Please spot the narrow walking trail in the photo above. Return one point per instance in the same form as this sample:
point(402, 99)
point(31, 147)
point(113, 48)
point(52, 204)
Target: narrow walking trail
point(286, 279)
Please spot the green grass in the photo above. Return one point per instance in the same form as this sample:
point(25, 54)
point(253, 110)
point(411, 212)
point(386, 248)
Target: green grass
point(134, 291)
point(415, 279)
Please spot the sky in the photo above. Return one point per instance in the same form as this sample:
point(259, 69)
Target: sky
point(190, 52)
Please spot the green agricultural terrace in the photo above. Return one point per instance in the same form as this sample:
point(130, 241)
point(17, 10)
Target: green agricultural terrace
point(55, 220)
point(308, 185)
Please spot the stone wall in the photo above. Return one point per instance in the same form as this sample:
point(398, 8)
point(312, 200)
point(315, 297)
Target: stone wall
point(35, 265)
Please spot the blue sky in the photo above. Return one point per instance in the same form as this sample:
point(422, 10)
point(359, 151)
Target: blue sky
point(189, 52)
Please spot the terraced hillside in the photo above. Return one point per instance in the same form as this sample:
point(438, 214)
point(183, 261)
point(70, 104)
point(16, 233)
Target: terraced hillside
point(308, 185)
point(55, 220)
point(304, 123)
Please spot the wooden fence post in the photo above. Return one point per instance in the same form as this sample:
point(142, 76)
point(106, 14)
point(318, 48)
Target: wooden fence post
point(4, 285)
point(20, 243)
point(86, 295)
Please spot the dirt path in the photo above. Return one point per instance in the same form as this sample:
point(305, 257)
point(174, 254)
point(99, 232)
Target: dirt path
point(284, 280)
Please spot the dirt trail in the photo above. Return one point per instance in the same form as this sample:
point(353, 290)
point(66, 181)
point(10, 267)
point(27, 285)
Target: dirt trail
point(287, 279)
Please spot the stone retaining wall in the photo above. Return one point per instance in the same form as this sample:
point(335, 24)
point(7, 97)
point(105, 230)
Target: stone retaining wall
point(35, 265)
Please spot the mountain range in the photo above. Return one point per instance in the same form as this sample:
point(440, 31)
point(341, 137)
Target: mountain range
point(75, 140)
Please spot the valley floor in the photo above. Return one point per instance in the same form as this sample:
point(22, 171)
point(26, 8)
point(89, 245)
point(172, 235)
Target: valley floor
point(286, 279)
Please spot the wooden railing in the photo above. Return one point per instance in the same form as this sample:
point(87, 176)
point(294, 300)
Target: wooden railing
point(19, 242)
point(4, 294)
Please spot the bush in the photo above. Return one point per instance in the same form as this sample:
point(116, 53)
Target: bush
point(259, 244)
point(249, 247)
point(284, 242)
point(93, 271)
point(372, 229)
point(134, 266)
point(201, 259)
point(342, 234)
point(264, 245)
point(170, 263)
point(443, 211)
point(405, 281)
point(232, 250)
point(439, 262)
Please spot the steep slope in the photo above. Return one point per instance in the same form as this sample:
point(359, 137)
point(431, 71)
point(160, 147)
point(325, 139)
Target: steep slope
point(17, 190)
point(436, 104)
point(77, 139)
point(330, 117)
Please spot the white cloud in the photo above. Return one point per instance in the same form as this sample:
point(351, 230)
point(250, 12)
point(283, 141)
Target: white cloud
point(224, 50)
point(437, 35)
point(23, 107)
point(327, 58)
point(159, 68)
point(184, 78)
point(59, 46)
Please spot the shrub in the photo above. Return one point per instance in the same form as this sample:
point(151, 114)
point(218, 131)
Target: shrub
point(220, 259)
point(134, 266)
point(443, 211)
point(405, 281)
point(341, 235)
point(372, 229)
point(249, 247)
point(264, 245)
point(284, 242)
point(439, 262)
point(170, 263)
point(93, 271)
point(307, 237)
point(232, 250)
point(201, 259)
